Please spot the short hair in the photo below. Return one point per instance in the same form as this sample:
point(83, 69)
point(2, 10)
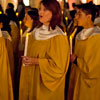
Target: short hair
point(89, 8)
point(5, 20)
point(11, 5)
point(54, 7)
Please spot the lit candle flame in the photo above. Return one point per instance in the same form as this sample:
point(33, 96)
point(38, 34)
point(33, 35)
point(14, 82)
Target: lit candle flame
point(0, 12)
point(66, 18)
point(20, 22)
point(17, 14)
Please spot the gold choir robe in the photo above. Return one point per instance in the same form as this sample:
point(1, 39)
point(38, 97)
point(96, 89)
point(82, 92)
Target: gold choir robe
point(9, 46)
point(45, 81)
point(84, 82)
point(6, 91)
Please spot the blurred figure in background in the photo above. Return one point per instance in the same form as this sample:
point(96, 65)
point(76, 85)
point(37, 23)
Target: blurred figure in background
point(21, 11)
point(14, 27)
point(10, 5)
point(1, 10)
point(6, 30)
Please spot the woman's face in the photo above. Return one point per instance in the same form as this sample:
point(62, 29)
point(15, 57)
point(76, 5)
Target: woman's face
point(45, 15)
point(28, 21)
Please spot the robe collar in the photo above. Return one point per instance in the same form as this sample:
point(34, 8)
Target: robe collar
point(43, 33)
point(86, 33)
point(5, 34)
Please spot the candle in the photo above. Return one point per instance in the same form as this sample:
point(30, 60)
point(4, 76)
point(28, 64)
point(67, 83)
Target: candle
point(26, 44)
point(17, 14)
point(71, 44)
point(71, 40)
point(20, 22)
point(21, 32)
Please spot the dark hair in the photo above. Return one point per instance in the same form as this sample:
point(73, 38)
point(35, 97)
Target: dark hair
point(66, 5)
point(11, 5)
point(4, 19)
point(11, 15)
point(73, 5)
point(1, 9)
point(89, 8)
point(34, 15)
point(54, 7)
point(21, 11)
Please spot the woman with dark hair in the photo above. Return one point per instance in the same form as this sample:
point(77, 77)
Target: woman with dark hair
point(33, 15)
point(84, 82)
point(31, 20)
point(46, 63)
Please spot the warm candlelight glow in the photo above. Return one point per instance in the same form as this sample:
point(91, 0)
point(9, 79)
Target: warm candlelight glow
point(66, 18)
point(20, 22)
point(71, 40)
point(27, 35)
point(71, 44)
point(0, 12)
point(26, 2)
point(21, 32)
point(65, 33)
point(17, 14)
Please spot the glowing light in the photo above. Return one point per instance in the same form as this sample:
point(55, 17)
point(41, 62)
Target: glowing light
point(59, 0)
point(66, 0)
point(16, 13)
point(95, 2)
point(83, 1)
point(66, 18)
point(65, 33)
point(27, 34)
point(20, 22)
point(0, 12)
point(26, 2)
point(15, 1)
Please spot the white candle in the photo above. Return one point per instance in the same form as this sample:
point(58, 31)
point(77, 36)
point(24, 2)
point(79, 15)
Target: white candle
point(26, 44)
point(21, 32)
point(71, 40)
point(71, 44)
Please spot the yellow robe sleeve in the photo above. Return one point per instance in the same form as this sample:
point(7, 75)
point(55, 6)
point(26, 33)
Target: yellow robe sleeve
point(88, 59)
point(54, 67)
point(6, 92)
